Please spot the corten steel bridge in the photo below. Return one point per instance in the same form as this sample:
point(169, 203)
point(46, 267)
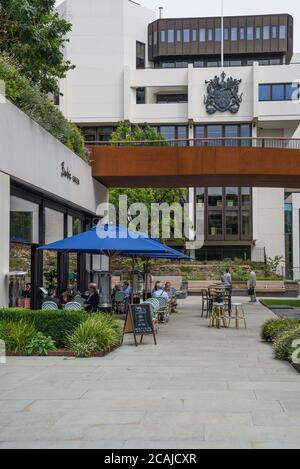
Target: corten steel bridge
point(238, 162)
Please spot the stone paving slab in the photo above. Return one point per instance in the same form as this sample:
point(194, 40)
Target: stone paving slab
point(199, 388)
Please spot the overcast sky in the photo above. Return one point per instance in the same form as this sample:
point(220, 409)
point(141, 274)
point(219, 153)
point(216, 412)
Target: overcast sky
point(186, 8)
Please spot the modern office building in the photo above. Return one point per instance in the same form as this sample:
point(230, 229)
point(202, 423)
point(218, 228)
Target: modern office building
point(135, 66)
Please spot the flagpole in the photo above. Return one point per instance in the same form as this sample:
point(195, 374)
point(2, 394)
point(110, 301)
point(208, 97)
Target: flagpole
point(222, 33)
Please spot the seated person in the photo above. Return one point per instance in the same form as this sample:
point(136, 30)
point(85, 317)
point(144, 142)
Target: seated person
point(159, 292)
point(126, 289)
point(92, 299)
point(26, 293)
point(65, 297)
point(53, 297)
point(170, 291)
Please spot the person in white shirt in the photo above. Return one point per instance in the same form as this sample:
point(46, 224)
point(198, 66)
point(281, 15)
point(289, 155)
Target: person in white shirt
point(227, 278)
point(159, 292)
point(252, 285)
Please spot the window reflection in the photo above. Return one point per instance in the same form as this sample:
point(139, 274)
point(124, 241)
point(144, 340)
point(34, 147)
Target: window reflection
point(215, 196)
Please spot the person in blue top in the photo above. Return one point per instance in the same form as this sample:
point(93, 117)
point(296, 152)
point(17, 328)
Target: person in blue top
point(126, 289)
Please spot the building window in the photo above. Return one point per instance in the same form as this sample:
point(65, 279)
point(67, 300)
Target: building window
point(202, 35)
point(210, 34)
point(234, 33)
point(250, 33)
point(242, 34)
point(24, 221)
point(226, 34)
point(236, 135)
point(266, 33)
point(279, 92)
point(186, 35)
point(194, 35)
point(258, 33)
point(218, 35)
point(172, 98)
point(155, 38)
point(178, 35)
point(274, 32)
point(140, 55)
point(163, 36)
point(174, 132)
point(150, 39)
point(282, 31)
point(228, 213)
point(171, 36)
point(231, 133)
point(141, 96)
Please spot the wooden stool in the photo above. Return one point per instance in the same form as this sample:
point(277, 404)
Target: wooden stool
point(238, 313)
point(218, 316)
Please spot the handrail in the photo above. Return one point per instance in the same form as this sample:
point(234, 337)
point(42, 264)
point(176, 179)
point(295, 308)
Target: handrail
point(260, 142)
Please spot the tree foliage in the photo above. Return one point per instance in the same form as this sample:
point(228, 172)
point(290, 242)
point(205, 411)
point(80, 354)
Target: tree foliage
point(34, 35)
point(147, 196)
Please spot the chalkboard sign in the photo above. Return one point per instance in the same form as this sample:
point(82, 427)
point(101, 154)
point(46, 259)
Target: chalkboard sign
point(139, 321)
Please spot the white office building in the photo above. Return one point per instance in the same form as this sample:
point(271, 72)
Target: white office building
point(133, 65)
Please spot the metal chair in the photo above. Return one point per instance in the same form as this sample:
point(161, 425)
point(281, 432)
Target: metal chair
point(164, 310)
point(49, 306)
point(119, 302)
point(206, 303)
point(154, 302)
point(78, 299)
point(73, 306)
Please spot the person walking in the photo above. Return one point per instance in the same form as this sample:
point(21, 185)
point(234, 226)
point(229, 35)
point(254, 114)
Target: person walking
point(252, 285)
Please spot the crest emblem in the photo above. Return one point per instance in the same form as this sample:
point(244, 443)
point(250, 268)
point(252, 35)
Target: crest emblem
point(223, 95)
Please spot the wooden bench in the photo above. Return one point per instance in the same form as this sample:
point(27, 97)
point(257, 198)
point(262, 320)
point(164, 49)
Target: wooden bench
point(196, 287)
point(263, 286)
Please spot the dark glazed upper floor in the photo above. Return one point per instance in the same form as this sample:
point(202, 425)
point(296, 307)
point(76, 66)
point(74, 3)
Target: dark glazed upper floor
point(244, 35)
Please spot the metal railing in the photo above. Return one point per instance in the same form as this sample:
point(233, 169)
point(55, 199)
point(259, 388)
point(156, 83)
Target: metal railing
point(251, 142)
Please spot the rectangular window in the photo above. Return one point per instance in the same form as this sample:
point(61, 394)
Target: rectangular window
point(257, 33)
point(246, 196)
point(210, 34)
point(232, 224)
point(215, 132)
point(246, 224)
point(226, 34)
point(282, 31)
point(155, 38)
point(291, 92)
point(202, 35)
point(186, 35)
point(242, 34)
point(140, 55)
point(171, 36)
point(163, 36)
point(178, 35)
point(232, 197)
point(234, 33)
point(274, 32)
point(250, 33)
point(278, 92)
point(266, 33)
point(265, 92)
point(246, 131)
point(218, 35)
point(200, 195)
point(231, 133)
point(199, 134)
point(140, 96)
point(172, 98)
point(215, 224)
point(181, 64)
point(194, 35)
point(150, 39)
point(215, 196)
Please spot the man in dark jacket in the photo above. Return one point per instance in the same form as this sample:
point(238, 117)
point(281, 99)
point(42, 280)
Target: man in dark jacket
point(93, 299)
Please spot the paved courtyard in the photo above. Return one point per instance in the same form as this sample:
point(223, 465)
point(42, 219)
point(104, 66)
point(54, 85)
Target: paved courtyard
point(199, 388)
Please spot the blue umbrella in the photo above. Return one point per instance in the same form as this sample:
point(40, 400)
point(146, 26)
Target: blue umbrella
point(109, 240)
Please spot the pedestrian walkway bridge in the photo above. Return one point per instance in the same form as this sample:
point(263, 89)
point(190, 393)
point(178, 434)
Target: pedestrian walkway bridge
point(255, 162)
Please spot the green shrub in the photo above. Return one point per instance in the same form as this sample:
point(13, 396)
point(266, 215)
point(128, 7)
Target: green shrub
point(283, 345)
point(40, 345)
point(275, 327)
point(55, 324)
point(97, 334)
point(38, 107)
point(17, 336)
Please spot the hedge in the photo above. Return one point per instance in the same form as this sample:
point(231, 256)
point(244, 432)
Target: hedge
point(273, 328)
point(38, 107)
point(56, 324)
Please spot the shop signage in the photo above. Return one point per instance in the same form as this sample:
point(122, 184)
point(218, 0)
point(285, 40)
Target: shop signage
point(139, 322)
point(66, 173)
point(223, 95)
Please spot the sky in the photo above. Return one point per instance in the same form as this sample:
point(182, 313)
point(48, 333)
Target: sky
point(187, 8)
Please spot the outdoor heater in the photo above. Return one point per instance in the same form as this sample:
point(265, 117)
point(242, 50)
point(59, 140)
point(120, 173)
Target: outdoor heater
point(103, 281)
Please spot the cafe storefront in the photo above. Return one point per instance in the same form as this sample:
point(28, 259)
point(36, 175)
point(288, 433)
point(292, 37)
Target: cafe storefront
point(47, 193)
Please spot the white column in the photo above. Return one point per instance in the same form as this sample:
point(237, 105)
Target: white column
point(4, 237)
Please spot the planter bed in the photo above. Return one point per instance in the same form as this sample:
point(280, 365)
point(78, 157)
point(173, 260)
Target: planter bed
point(68, 354)
point(297, 367)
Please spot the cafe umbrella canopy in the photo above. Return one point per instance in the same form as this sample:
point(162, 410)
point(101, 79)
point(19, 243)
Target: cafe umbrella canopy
point(114, 240)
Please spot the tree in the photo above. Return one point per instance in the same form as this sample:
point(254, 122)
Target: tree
point(33, 34)
point(128, 134)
